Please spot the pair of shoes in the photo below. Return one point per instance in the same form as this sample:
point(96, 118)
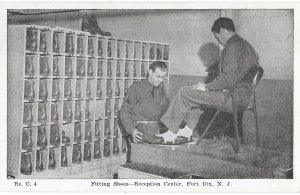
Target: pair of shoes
point(89, 24)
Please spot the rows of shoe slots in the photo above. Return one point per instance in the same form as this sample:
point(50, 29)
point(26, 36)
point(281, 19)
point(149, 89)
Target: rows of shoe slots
point(71, 43)
point(41, 65)
point(59, 156)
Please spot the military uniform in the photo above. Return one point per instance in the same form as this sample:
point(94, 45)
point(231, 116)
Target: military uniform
point(142, 109)
point(237, 56)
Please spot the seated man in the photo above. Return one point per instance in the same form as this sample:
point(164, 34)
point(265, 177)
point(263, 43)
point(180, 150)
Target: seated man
point(237, 56)
point(144, 104)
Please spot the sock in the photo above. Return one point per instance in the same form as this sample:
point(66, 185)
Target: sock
point(186, 132)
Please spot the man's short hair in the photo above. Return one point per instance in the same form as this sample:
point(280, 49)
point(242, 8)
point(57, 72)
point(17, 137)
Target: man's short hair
point(158, 64)
point(223, 22)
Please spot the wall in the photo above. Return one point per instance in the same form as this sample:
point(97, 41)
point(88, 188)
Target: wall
point(271, 32)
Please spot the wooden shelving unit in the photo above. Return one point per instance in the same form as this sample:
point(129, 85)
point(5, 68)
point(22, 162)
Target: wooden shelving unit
point(65, 89)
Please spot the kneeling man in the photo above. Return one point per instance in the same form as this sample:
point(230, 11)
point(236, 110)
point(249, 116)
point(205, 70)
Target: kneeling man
point(144, 105)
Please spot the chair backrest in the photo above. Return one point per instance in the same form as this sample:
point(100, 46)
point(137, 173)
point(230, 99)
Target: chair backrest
point(251, 76)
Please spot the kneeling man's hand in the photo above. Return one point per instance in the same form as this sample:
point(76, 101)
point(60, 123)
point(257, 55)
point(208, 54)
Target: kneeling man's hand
point(137, 136)
point(199, 86)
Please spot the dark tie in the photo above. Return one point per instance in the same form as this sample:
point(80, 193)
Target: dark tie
point(152, 91)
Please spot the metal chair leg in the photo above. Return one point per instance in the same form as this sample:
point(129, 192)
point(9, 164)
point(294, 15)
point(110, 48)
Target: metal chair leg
point(255, 119)
point(235, 124)
point(207, 127)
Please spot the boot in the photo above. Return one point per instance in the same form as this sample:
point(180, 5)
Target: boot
point(54, 113)
point(90, 71)
point(134, 69)
point(78, 89)
point(87, 110)
point(68, 67)
point(87, 151)
point(78, 110)
point(42, 117)
point(115, 146)
point(106, 148)
point(77, 132)
point(29, 68)
point(55, 66)
point(90, 47)
point(27, 139)
point(43, 90)
point(39, 160)
point(52, 163)
point(108, 89)
point(27, 117)
point(31, 40)
point(29, 92)
point(116, 131)
point(77, 154)
point(109, 72)
point(26, 165)
point(55, 47)
point(64, 159)
point(42, 139)
point(54, 135)
point(67, 113)
point(99, 89)
point(100, 68)
point(97, 150)
point(88, 131)
point(97, 129)
point(43, 43)
point(68, 90)
point(55, 89)
point(118, 72)
point(116, 108)
point(80, 48)
point(107, 109)
point(88, 89)
point(107, 128)
point(89, 24)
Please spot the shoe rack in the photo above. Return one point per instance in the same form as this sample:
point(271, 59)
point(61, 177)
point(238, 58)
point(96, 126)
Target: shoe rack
point(65, 89)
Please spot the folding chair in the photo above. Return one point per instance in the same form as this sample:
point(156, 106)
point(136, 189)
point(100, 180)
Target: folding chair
point(251, 77)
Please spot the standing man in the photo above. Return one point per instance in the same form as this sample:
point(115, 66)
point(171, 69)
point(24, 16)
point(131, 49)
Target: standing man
point(144, 104)
point(237, 56)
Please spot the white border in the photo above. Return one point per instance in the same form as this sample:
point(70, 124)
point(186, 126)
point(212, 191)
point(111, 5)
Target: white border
point(74, 185)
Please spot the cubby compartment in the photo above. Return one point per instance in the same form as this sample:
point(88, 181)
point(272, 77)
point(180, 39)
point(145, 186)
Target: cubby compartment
point(99, 126)
point(41, 160)
point(29, 113)
point(129, 50)
point(137, 50)
point(58, 46)
point(42, 137)
point(45, 41)
point(97, 150)
point(102, 45)
point(77, 154)
point(57, 89)
point(57, 66)
point(166, 53)
point(81, 45)
point(53, 158)
point(30, 89)
point(107, 148)
point(101, 68)
point(92, 46)
point(152, 52)
point(69, 66)
point(31, 65)
point(70, 43)
point(81, 67)
point(32, 40)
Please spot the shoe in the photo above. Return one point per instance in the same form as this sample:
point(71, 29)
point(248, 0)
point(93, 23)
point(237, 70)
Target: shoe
point(89, 24)
point(155, 140)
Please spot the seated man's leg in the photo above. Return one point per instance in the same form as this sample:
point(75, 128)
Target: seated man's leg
point(185, 99)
